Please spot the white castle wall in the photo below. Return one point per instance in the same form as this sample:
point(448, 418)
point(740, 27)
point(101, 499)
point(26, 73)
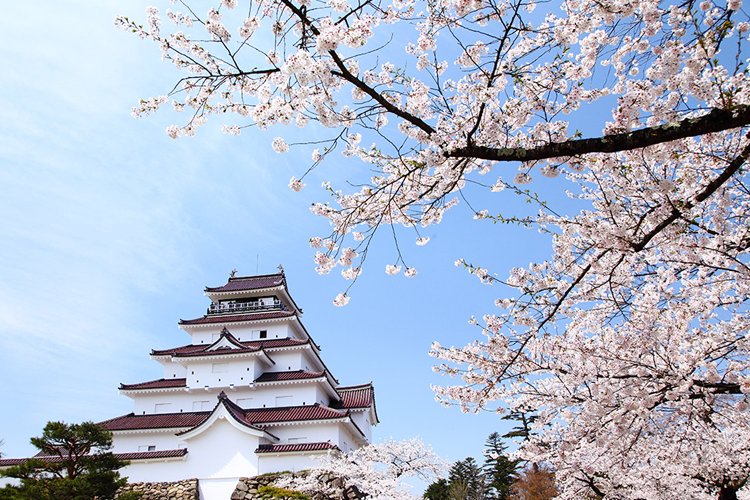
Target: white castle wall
point(243, 333)
point(285, 462)
point(126, 443)
point(260, 396)
point(362, 419)
point(306, 433)
point(222, 372)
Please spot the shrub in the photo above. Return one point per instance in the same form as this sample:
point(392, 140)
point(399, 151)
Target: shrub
point(274, 492)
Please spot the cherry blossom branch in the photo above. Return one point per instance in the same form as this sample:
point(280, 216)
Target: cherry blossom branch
point(717, 120)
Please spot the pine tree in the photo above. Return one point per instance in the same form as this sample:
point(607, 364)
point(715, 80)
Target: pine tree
point(498, 468)
point(74, 464)
point(439, 490)
point(466, 481)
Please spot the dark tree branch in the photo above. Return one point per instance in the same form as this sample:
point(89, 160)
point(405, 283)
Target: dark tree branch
point(715, 121)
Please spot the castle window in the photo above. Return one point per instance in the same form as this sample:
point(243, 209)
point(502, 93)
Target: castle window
point(162, 407)
point(283, 401)
point(201, 405)
point(263, 334)
point(147, 447)
point(220, 368)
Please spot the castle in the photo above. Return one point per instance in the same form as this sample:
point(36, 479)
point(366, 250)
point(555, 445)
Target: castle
point(248, 395)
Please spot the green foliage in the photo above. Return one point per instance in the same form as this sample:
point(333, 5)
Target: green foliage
point(439, 490)
point(274, 492)
point(8, 493)
point(501, 472)
point(130, 495)
point(466, 481)
point(523, 429)
point(76, 466)
point(492, 481)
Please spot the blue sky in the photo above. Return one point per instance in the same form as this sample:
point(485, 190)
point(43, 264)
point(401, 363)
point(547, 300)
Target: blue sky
point(110, 230)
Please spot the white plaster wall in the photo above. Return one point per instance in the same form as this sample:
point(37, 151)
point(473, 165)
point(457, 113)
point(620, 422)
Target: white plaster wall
point(217, 489)
point(284, 462)
point(243, 333)
point(156, 471)
point(180, 401)
point(260, 395)
point(126, 443)
point(174, 370)
point(9, 481)
point(222, 451)
point(240, 371)
point(314, 433)
point(302, 394)
point(321, 396)
point(288, 361)
point(362, 419)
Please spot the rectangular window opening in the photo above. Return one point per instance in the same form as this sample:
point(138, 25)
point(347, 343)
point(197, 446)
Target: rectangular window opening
point(220, 368)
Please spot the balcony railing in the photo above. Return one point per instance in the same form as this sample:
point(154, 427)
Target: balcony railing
point(242, 307)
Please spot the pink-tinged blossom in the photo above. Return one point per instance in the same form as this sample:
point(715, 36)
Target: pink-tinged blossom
point(249, 26)
point(341, 300)
point(423, 241)
point(522, 178)
point(347, 254)
point(279, 145)
point(296, 185)
point(410, 272)
point(391, 269)
point(173, 131)
point(377, 470)
point(351, 273)
point(324, 262)
point(231, 129)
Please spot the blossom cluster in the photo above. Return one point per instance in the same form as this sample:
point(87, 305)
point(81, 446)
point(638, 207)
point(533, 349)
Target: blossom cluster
point(377, 470)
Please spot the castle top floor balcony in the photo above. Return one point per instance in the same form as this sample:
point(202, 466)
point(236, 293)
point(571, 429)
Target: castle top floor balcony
point(234, 307)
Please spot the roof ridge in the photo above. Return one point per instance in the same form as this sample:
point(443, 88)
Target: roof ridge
point(255, 276)
point(353, 387)
point(183, 379)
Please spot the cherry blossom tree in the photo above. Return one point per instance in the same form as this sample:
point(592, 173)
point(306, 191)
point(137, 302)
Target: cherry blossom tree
point(630, 344)
point(376, 470)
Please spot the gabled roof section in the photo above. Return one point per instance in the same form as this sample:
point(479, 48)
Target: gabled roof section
point(286, 376)
point(253, 345)
point(248, 283)
point(150, 455)
point(295, 447)
point(225, 406)
point(356, 397)
point(162, 383)
point(139, 455)
point(293, 414)
point(237, 318)
point(225, 341)
point(131, 421)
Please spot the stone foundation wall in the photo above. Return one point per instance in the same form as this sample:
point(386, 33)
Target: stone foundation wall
point(247, 488)
point(178, 490)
